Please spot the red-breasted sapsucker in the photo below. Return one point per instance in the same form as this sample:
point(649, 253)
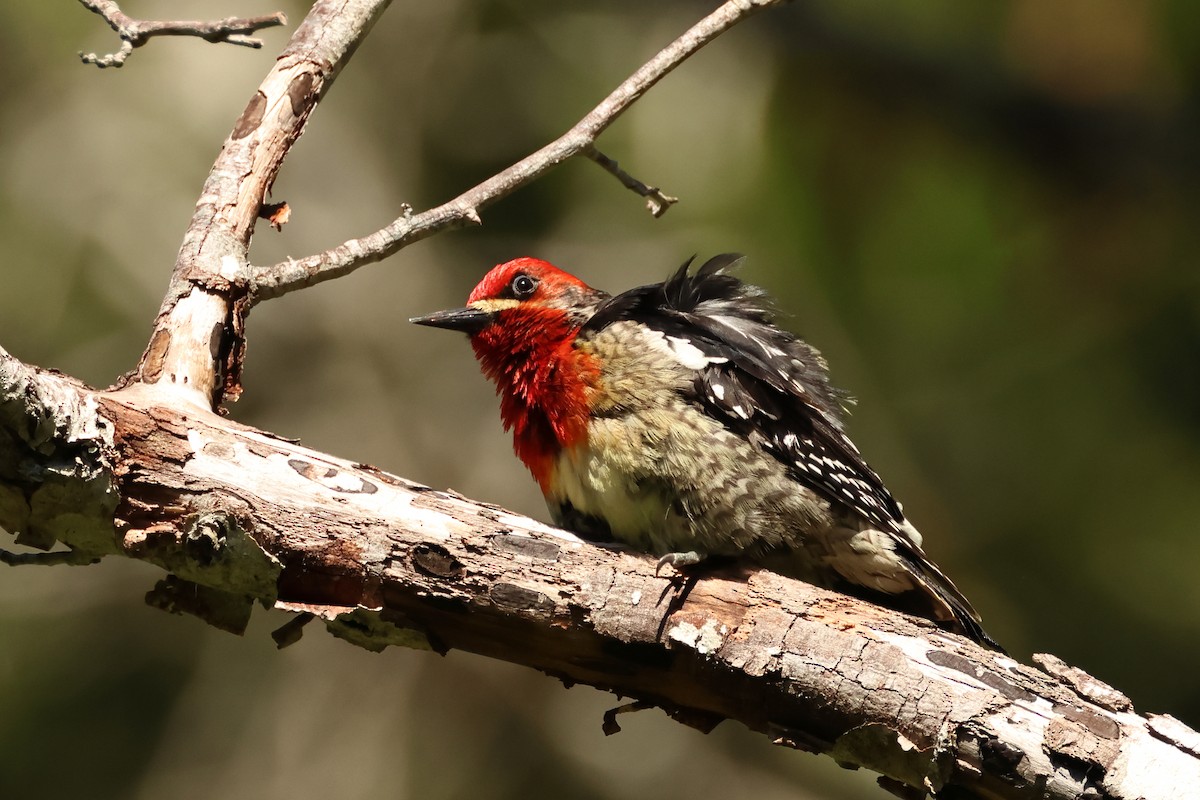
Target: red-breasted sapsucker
point(678, 419)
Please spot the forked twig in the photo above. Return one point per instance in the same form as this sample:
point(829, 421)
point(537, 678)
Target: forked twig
point(288, 276)
point(136, 32)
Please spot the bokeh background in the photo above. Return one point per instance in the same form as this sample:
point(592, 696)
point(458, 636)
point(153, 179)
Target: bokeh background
point(984, 213)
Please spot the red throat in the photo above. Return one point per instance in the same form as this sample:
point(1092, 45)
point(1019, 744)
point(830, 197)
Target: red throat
point(543, 382)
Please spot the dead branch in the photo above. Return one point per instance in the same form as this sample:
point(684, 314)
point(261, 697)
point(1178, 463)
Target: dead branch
point(198, 344)
point(196, 350)
point(656, 201)
point(288, 276)
point(136, 32)
point(237, 516)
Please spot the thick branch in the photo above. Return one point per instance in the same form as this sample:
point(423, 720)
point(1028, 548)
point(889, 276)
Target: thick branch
point(288, 276)
point(136, 32)
point(239, 516)
point(197, 346)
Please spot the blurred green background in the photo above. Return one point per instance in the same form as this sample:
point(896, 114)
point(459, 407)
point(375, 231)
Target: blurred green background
point(985, 214)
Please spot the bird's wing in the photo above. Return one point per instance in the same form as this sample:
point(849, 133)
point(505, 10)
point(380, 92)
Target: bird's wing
point(760, 381)
point(773, 388)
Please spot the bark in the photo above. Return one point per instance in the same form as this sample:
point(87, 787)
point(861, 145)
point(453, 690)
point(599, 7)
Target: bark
point(237, 516)
point(198, 343)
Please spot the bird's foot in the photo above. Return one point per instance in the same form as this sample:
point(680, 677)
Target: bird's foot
point(679, 561)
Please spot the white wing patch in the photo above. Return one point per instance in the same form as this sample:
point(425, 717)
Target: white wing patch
point(683, 351)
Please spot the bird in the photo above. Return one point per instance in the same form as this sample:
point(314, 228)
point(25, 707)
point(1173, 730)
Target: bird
point(678, 419)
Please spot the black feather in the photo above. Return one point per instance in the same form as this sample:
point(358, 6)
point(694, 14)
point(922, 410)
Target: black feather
point(771, 386)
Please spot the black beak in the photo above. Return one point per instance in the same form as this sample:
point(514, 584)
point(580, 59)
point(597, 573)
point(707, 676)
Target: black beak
point(468, 320)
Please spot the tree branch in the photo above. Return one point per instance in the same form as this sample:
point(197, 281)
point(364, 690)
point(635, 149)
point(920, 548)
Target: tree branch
point(238, 516)
point(288, 276)
point(656, 201)
point(195, 353)
point(136, 32)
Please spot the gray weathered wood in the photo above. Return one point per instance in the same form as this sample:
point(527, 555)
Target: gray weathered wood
point(384, 561)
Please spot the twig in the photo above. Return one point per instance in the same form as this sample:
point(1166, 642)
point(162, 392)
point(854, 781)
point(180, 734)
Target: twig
point(293, 274)
point(136, 32)
point(656, 201)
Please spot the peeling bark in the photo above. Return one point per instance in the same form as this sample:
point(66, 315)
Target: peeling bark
point(198, 344)
point(237, 516)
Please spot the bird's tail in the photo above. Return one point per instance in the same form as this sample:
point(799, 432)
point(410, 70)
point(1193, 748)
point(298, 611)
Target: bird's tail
point(956, 612)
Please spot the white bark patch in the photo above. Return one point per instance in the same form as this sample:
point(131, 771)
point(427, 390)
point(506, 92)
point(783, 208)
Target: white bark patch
point(1154, 767)
point(230, 268)
point(705, 639)
point(88, 427)
point(527, 525)
point(187, 366)
point(297, 473)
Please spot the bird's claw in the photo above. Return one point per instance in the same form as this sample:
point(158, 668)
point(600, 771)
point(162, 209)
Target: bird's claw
point(678, 561)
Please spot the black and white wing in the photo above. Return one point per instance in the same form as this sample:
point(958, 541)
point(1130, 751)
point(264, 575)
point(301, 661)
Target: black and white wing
point(761, 381)
point(773, 388)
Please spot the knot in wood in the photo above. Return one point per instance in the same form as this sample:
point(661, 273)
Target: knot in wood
point(527, 546)
point(436, 561)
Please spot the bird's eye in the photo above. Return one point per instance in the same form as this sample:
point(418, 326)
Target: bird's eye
point(523, 286)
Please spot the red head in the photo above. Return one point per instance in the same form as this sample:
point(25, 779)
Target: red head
point(522, 319)
point(552, 284)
